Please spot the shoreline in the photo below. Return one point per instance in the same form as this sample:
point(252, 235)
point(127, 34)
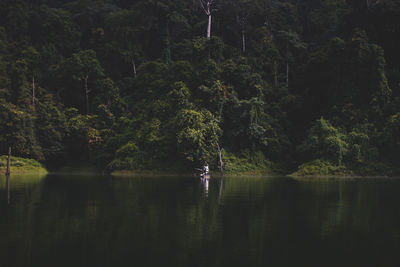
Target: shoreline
point(261, 173)
point(19, 171)
point(149, 173)
point(22, 166)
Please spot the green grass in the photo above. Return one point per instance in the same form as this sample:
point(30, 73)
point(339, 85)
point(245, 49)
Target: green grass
point(249, 164)
point(321, 168)
point(22, 166)
point(244, 164)
point(325, 168)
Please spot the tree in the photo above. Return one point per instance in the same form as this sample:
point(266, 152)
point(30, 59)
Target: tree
point(326, 142)
point(325, 18)
point(198, 135)
point(51, 128)
point(4, 77)
point(291, 40)
point(123, 32)
point(242, 10)
point(17, 129)
point(267, 55)
point(54, 26)
point(207, 6)
point(80, 67)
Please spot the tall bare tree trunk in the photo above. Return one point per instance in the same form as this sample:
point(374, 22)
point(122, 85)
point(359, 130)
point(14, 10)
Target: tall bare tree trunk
point(287, 65)
point(243, 42)
point(209, 25)
point(208, 12)
point(134, 68)
point(33, 90)
point(8, 188)
point(8, 171)
point(276, 74)
point(87, 93)
point(287, 74)
point(221, 163)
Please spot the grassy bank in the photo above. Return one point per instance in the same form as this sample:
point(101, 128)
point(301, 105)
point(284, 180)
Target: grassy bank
point(22, 166)
point(234, 165)
point(253, 165)
point(326, 168)
point(321, 168)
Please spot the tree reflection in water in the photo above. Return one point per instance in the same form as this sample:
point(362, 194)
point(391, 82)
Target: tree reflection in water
point(205, 183)
point(8, 189)
point(181, 221)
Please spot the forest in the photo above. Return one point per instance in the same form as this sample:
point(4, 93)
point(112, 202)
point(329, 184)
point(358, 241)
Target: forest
point(253, 85)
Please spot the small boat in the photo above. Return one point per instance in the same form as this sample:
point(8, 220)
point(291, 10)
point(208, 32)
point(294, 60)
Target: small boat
point(205, 176)
point(204, 172)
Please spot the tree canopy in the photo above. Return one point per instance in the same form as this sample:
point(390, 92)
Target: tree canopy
point(139, 84)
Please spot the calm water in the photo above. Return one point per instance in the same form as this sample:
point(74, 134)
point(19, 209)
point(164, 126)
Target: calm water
point(180, 221)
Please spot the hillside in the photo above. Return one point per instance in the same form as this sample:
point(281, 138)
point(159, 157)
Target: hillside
point(152, 84)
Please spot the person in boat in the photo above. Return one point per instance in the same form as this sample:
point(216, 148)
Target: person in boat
point(205, 170)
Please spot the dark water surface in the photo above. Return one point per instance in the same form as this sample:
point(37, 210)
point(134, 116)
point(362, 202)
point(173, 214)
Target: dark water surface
point(180, 221)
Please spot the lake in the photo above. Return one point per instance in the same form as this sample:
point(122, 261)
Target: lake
point(89, 220)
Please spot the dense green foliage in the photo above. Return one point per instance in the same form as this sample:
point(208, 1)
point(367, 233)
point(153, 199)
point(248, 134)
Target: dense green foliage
point(138, 85)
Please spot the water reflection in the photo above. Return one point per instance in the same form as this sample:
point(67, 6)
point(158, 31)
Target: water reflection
point(14, 185)
point(221, 184)
point(164, 221)
point(205, 183)
point(8, 188)
point(217, 182)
